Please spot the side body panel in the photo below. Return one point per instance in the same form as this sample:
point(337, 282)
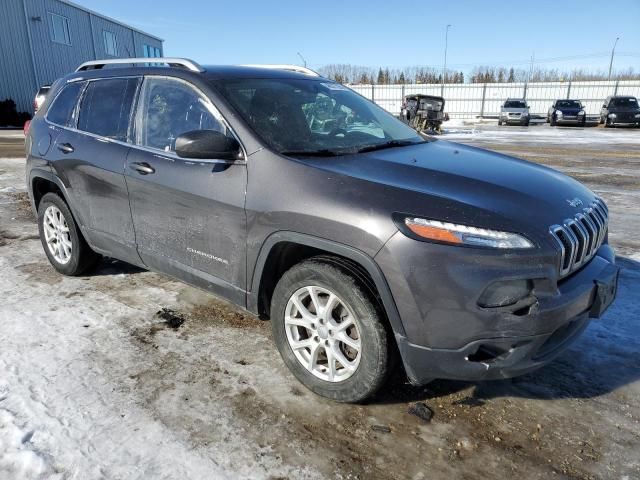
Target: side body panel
point(190, 221)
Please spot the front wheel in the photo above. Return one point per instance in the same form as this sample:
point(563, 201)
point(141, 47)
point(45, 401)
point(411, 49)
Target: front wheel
point(61, 238)
point(329, 332)
point(553, 121)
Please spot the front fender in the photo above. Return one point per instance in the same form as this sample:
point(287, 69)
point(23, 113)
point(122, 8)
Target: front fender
point(355, 255)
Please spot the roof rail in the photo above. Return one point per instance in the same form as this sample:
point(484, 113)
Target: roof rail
point(292, 68)
point(172, 62)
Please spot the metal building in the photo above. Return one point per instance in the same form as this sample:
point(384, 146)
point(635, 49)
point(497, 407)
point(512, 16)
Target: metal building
point(41, 40)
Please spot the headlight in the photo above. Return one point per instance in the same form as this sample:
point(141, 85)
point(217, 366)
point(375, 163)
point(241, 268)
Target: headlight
point(464, 235)
point(558, 113)
point(637, 115)
point(581, 112)
point(612, 115)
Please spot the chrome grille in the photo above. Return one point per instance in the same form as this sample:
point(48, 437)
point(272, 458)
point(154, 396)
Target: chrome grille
point(580, 237)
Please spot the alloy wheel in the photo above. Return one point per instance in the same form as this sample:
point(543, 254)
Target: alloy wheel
point(57, 235)
point(323, 334)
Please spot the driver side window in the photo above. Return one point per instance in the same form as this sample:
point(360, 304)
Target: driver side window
point(168, 108)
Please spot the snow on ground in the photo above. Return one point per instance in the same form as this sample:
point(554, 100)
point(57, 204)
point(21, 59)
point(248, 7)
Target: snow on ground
point(540, 133)
point(93, 384)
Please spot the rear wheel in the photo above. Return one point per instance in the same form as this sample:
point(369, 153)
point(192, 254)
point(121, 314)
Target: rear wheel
point(329, 332)
point(61, 239)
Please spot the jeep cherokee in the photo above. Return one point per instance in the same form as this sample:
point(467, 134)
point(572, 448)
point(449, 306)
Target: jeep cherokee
point(306, 204)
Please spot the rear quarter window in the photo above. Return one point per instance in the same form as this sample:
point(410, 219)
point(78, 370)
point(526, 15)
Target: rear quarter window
point(62, 109)
point(105, 109)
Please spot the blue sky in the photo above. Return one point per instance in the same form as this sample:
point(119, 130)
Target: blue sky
point(563, 34)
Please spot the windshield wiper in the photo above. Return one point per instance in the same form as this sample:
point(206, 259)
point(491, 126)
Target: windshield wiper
point(389, 144)
point(325, 152)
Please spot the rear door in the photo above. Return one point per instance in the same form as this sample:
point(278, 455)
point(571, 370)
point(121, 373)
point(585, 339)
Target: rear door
point(189, 215)
point(92, 156)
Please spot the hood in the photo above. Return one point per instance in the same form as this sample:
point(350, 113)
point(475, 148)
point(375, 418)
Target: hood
point(569, 110)
point(462, 184)
point(623, 109)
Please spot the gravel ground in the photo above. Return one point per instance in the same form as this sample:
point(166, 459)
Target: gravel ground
point(98, 381)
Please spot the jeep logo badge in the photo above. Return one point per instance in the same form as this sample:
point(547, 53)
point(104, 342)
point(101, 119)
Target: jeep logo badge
point(575, 202)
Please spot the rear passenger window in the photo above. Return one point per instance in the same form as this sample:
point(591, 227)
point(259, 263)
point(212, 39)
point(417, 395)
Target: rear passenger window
point(62, 109)
point(170, 107)
point(106, 107)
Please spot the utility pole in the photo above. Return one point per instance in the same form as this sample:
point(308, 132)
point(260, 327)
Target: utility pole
point(444, 67)
point(303, 60)
point(533, 58)
point(613, 51)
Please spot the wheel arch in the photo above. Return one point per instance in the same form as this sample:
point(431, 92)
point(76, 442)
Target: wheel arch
point(284, 249)
point(42, 182)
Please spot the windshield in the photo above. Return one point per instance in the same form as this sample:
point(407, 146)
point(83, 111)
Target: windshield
point(568, 104)
point(629, 102)
point(515, 104)
point(294, 117)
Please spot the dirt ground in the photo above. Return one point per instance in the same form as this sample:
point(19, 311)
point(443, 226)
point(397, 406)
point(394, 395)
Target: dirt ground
point(98, 381)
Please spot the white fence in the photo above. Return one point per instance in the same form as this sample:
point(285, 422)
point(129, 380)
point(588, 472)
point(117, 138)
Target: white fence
point(485, 99)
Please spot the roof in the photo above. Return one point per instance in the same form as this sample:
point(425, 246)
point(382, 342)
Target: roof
point(209, 72)
point(249, 71)
point(96, 14)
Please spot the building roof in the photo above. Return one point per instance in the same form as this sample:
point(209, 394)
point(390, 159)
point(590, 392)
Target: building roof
point(94, 13)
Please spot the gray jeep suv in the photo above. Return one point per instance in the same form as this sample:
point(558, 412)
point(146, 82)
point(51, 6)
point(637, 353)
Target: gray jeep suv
point(306, 204)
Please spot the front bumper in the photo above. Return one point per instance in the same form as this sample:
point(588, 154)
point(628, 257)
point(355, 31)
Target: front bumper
point(519, 120)
point(448, 336)
point(571, 119)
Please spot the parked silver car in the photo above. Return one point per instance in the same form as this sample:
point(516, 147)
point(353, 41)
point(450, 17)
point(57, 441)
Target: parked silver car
point(514, 110)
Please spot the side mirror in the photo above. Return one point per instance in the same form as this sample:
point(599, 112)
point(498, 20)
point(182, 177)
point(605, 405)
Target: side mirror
point(207, 144)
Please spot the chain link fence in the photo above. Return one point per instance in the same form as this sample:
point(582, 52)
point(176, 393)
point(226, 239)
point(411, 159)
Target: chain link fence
point(485, 99)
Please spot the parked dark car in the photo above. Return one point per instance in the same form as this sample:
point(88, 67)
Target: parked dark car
point(620, 110)
point(567, 111)
point(424, 113)
point(514, 111)
point(304, 203)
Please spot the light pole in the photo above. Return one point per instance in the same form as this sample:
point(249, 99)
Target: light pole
point(303, 60)
point(444, 67)
point(613, 51)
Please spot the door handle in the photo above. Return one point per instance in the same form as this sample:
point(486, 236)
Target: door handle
point(66, 148)
point(142, 167)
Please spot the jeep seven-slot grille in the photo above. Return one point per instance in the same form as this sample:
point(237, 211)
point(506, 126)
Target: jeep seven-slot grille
point(580, 237)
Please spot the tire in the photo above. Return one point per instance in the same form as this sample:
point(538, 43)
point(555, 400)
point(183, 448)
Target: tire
point(368, 367)
point(583, 123)
point(607, 123)
point(553, 122)
point(499, 123)
point(526, 124)
point(56, 222)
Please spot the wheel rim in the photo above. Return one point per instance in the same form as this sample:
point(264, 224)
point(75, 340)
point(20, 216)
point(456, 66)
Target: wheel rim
point(57, 235)
point(323, 333)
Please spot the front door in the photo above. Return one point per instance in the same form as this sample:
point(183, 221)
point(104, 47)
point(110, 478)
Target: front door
point(188, 215)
